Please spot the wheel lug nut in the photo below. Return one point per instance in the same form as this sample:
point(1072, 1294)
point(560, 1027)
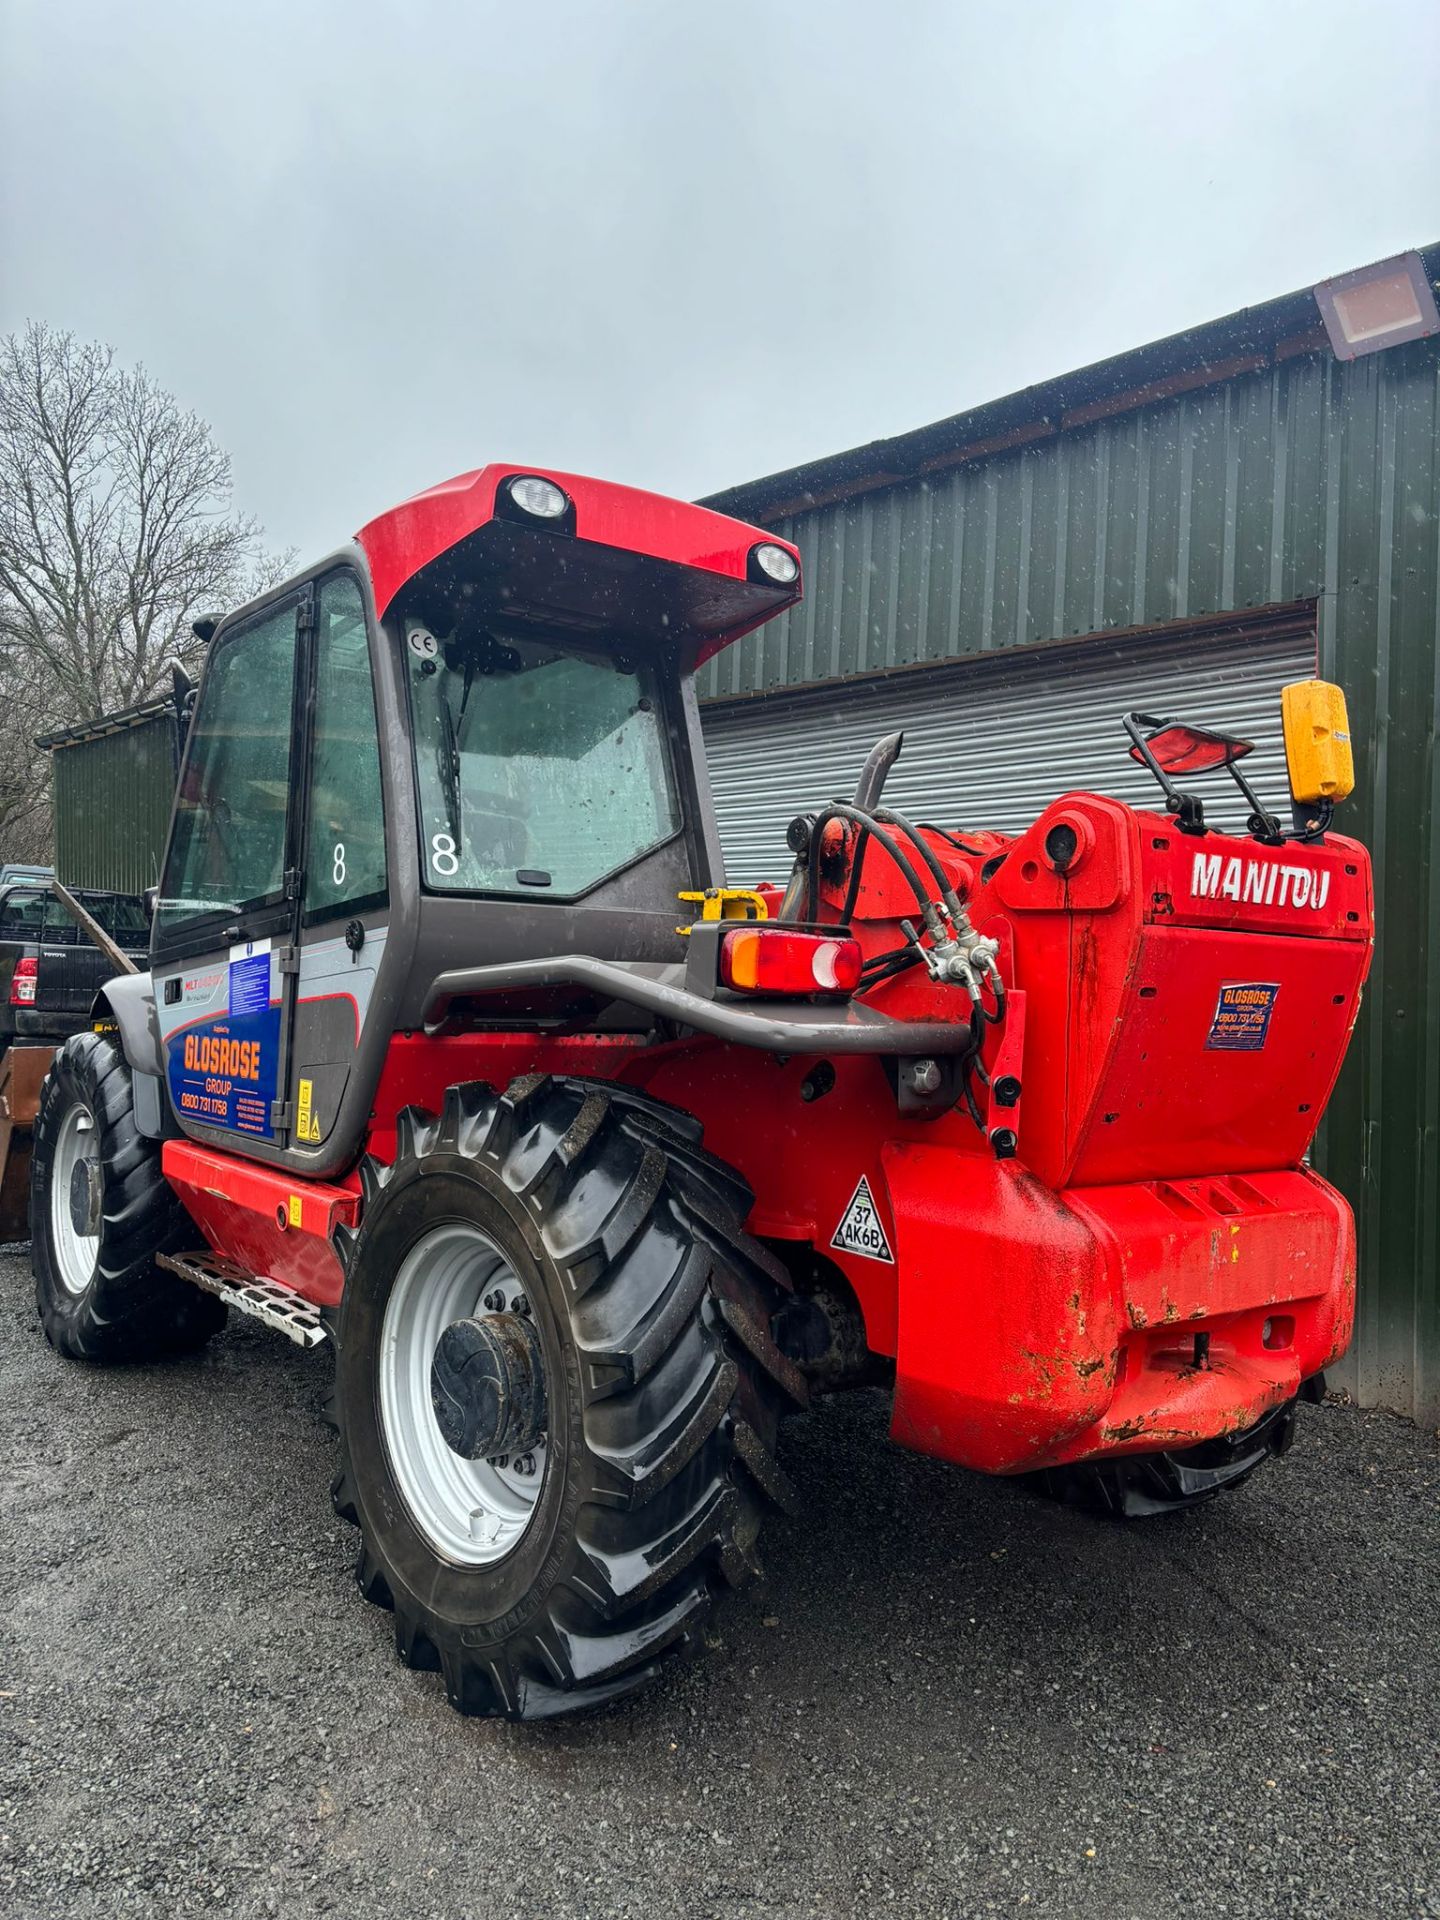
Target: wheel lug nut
point(522, 1303)
point(525, 1463)
point(494, 1300)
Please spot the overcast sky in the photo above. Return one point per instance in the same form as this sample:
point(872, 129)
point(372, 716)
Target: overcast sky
point(675, 244)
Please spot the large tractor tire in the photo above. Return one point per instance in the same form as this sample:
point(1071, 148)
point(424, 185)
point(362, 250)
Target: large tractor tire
point(100, 1211)
point(1136, 1486)
point(556, 1391)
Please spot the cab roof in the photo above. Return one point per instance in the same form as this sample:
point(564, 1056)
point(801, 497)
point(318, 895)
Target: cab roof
point(711, 549)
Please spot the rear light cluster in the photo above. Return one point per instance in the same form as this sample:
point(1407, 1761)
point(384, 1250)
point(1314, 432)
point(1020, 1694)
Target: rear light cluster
point(769, 960)
point(22, 982)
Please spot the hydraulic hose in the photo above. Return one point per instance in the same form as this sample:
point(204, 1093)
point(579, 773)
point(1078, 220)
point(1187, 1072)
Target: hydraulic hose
point(857, 862)
point(954, 840)
point(930, 857)
point(886, 966)
point(855, 816)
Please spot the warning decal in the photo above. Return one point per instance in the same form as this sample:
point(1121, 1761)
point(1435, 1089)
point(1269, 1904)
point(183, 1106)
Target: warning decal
point(860, 1230)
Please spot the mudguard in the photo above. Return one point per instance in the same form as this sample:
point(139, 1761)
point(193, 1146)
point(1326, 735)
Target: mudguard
point(128, 1001)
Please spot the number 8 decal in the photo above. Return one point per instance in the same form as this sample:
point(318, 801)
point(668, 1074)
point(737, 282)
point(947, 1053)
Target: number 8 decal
point(337, 869)
point(443, 857)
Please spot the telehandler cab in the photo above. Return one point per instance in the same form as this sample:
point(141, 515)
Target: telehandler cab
point(588, 1187)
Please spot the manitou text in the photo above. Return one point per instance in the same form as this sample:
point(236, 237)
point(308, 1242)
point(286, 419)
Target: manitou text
point(1263, 883)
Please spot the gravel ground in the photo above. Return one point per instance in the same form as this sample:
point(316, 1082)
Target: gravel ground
point(947, 1697)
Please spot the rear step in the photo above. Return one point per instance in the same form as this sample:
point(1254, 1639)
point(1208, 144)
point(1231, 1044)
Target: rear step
point(262, 1299)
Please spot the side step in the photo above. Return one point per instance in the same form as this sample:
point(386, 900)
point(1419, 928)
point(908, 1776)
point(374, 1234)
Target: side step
point(262, 1299)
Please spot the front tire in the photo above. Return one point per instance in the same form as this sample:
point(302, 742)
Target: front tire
point(594, 1212)
point(100, 1211)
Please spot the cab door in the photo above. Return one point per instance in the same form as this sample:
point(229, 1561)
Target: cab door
point(222, 950)
point(345, 897)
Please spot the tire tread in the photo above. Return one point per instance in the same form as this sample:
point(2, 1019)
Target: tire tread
point(682, 1389)
point(132, 1309)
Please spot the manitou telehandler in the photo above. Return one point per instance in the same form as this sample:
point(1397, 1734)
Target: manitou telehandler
point(455, 1051)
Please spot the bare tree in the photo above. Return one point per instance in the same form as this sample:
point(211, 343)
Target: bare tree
point(116, 531)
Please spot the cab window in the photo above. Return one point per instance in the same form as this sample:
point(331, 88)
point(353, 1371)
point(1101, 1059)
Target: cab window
point(22, 914)
point(61, 927)
point(345, 863)
point(539, 769)
point(227, 848)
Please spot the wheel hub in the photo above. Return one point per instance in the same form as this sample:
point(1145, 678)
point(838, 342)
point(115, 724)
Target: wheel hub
point(84, 1197)
point(487, 1386)
point(472, 1508)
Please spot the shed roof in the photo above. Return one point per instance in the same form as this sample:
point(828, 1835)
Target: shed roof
point(1200, 356)
point(106, 723)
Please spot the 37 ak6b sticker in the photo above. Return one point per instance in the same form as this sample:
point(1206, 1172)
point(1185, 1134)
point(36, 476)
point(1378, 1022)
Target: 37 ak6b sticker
point(860, 1230)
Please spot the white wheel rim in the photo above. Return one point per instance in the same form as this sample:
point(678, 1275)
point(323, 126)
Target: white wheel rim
point(472, 1512)
point(78, 1145)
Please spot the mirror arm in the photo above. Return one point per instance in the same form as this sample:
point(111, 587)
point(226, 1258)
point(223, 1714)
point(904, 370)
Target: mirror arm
point(1188, 810)
point(1262, 823)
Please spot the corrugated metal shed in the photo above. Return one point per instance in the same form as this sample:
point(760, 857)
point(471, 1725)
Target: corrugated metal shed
point(992, 743)
point(1236, 467)
point(112, 785)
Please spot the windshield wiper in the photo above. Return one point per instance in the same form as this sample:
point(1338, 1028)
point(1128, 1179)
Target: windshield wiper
point(450, 769)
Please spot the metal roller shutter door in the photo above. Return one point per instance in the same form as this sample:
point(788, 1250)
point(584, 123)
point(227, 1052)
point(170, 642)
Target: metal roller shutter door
point(989, 743)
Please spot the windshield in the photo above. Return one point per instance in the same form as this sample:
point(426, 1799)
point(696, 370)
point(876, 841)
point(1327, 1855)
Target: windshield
point(537, 769)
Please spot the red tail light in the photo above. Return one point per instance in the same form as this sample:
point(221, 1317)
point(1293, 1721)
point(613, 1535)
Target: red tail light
point(22, 982)
point(764, 959)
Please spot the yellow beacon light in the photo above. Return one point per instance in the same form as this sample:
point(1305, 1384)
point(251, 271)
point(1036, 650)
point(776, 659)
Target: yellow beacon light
point(1317, 742)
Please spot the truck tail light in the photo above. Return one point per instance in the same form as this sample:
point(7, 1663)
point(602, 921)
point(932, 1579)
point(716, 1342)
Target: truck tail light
point(767, 960)
point(22, 982)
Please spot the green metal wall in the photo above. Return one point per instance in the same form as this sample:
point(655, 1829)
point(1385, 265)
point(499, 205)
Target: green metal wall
point(1306, 480)
point(111, 799)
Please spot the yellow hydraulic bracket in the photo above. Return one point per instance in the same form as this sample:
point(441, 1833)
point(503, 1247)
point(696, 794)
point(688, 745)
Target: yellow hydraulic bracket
point(726, 903)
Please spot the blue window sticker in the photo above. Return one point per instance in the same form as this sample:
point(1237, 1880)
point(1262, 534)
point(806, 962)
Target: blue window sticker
point(250, 977)
point(1242, 1017)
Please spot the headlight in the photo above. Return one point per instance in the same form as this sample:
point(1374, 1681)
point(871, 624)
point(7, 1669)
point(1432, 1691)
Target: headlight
point(777, 564)
point(541, 499)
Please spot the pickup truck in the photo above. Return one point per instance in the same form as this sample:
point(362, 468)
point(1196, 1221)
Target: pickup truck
point(50, 970)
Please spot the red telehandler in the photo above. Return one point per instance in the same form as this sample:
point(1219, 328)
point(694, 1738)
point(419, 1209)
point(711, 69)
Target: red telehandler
point(588, 1189)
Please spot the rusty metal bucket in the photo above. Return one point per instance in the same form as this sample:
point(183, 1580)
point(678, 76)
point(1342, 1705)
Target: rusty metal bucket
point(22, 1070)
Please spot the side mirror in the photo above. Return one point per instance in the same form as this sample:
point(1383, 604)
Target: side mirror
point(150, 896)
point(1176, 747)
point(182, 693)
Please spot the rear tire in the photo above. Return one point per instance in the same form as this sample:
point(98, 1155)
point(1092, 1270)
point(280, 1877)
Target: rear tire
point(1135, 1486)
point(100, 1211)
point(598, 1210)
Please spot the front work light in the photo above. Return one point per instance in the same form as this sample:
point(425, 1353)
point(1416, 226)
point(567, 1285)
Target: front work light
point(1317, 742)
point(776, 563)
point(768, 959)
point(541, 499)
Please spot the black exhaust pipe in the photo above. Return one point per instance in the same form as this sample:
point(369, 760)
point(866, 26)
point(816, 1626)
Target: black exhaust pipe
point(876, 771)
